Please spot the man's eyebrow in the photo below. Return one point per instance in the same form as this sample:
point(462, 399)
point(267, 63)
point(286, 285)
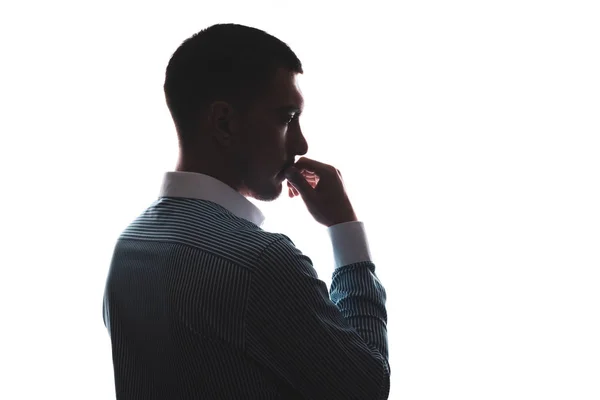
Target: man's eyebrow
point(290, 109)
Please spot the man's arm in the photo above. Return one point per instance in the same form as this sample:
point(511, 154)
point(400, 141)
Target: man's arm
point(325, 349)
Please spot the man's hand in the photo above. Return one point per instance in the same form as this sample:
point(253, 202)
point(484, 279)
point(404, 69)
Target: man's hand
point(322, 189)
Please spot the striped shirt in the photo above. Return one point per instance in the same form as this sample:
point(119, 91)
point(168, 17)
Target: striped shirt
point(201, 303)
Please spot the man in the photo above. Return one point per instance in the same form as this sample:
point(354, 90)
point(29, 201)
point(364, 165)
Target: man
point(200, 302)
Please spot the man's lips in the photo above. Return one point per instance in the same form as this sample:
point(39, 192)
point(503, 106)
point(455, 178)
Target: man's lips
point(282, 172)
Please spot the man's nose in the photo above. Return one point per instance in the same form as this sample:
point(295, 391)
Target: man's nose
point(302, 146)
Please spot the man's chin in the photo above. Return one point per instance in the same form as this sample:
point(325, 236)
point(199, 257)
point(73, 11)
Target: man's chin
point(268, 193)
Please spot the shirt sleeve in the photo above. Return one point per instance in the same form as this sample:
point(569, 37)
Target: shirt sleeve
point(326, 348)
point(349, 242)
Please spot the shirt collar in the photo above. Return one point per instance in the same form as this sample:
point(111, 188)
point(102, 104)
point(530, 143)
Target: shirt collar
point(194, 185)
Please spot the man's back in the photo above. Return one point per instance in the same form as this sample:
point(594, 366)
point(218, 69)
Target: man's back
point(200, 303)
point(175, 303)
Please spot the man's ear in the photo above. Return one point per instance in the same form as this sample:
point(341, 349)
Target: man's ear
point(220, 118)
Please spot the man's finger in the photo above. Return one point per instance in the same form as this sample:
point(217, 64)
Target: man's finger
point(299, 183)
point(314, 166)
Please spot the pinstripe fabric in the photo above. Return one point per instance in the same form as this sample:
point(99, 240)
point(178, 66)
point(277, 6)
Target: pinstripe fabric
point(202, 304)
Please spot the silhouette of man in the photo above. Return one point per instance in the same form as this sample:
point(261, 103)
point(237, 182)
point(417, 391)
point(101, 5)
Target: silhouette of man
point(200, 302)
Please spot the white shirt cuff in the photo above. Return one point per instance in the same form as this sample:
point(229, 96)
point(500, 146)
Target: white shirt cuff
point(349, 242)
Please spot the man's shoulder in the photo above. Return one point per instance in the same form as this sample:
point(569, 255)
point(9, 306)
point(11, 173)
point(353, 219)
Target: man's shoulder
point(203, 226)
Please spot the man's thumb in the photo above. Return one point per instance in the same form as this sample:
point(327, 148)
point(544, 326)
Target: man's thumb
point(293, 175)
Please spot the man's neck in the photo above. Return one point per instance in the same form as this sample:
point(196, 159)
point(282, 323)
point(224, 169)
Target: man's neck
point(210, 167)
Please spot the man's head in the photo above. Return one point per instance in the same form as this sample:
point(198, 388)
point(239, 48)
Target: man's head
point(234, 98)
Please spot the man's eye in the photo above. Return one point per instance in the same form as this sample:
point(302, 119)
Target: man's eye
point(291, 118)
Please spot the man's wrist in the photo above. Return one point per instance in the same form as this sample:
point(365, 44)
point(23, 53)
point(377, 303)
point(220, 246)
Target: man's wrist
point(344, 220)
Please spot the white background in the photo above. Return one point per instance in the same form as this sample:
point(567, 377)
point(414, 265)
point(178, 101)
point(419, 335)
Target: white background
point(467, 133)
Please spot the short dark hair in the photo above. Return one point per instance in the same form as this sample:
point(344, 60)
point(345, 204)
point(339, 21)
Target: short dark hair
point(229, 62)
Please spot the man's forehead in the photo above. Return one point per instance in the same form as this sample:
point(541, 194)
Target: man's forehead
point(285, 92)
